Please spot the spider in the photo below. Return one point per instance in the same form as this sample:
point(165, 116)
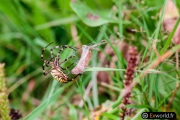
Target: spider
point(56, 69)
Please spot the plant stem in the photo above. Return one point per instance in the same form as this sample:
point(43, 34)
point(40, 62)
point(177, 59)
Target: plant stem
point(4, 107)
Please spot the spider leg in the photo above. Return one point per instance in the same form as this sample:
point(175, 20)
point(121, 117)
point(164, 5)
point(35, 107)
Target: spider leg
point(43, 68)
point(48, 62)
point(74, 78)
point(70, 57)
point(42, 54)
point(64, 47)
point(67, 68)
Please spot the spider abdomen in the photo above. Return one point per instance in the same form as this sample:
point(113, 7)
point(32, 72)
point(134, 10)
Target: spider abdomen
point(59, 75)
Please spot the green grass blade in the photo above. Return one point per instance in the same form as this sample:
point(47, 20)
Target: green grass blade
point(168, 41)
point(110, 116)
point(73, 113)
point(36, 112)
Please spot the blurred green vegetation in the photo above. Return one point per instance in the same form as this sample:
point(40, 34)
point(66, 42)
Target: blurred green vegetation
point(27, 26)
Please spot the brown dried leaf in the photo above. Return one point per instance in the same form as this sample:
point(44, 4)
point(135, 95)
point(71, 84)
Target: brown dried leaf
point(170, 19)
point(171, 11)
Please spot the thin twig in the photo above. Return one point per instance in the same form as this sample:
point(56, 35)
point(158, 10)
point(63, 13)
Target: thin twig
point(88, 89)
point(81, 103)
point(177, 83)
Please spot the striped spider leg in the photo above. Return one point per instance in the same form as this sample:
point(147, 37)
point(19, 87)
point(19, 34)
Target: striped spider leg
point(46, 62)
point(85, 58)
point(58, 55)
point(56, 69)
point(61, 48)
